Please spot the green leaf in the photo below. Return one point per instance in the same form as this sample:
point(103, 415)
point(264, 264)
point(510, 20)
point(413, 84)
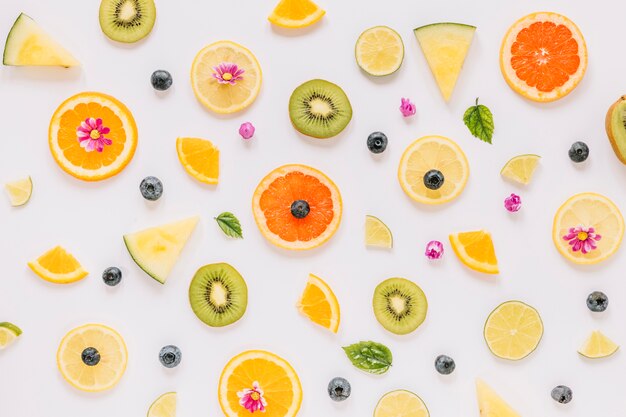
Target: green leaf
point(479, 121)
point(229, 224)
point(371, 357)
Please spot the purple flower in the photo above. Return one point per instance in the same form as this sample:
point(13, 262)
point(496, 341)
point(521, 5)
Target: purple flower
point(91, 135)
point(246, 130)
point(406, 107)
point(582, 239)
point(434, 250)
point(252, 399)
point(513, 203)
point(227, 73)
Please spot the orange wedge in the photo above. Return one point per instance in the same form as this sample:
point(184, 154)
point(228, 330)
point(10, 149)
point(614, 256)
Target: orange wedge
point(475, 250)
point(200, 158)
point(295, 14)
point(319, 304)
point(58, 266)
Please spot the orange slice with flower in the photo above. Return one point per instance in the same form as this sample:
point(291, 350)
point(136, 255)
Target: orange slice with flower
point(92, 136)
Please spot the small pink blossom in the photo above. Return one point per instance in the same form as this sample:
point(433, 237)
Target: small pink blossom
point(252, 399)
point(246, 130)
point(406, 107)
point(227, 73)
point(91, 135)
point(582, 239)
point(513, 203)
point(434, 250)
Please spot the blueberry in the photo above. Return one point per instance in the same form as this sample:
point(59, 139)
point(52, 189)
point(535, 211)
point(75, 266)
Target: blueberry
point(597, 301)
point(151, 188)
point(170, 356)
point(90, 356)
point(444, 365)
point(161, 80)
point(339, 389)
point(433, 179)
point(579, 152)
point(562, 394)
point(377, 142)
point(112, 276)
point(300, 209)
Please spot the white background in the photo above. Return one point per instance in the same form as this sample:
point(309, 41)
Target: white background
point(89, 219)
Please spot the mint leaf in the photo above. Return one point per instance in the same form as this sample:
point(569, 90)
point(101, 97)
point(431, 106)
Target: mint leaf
point(479, 121)
point(229, 224)
point(371, 357)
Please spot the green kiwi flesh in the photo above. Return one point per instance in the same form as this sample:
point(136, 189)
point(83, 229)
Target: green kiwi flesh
point(127, 20)
point(320, 109)
point(400, 305)
point(218, 294)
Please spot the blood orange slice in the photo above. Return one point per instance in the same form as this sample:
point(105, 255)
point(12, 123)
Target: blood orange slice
point(543, 56)
point(297, 207)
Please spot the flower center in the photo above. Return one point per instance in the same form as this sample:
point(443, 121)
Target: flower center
point(582, 236)
point(227, 76)
point(94, 134)
point(255, 396)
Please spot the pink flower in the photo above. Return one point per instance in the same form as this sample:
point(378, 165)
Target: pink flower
point(513, 203)
point(252, 399)
point(246, 130)
point(582, 239)
point(434, 249)
point(227, 73)
point(91, 135)
point(406, 107)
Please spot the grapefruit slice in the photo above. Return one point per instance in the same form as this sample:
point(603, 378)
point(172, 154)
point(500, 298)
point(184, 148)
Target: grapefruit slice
point(543, 56)
point(297, 207)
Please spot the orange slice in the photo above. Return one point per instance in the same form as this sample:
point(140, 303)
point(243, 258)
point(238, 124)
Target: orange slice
point(475, 250)
point(217, 62)
point(259, 381)
point(92, 136)
point(543, 56)
point(58, 266)
point(297, 207)
point(200, 158)
point(295, 13)
point(319, 304)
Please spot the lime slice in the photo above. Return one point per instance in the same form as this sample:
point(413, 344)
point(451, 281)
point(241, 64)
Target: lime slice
point(164, 406)
point(8, 333)
point(520, 168)
point(377, 233)
point(379, 51)
point(401, 403)
point(513, 330)
point(19, 191)
point(598, 346)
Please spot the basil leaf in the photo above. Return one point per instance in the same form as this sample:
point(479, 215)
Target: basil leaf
point(371, 357)
point(479, 121)
point(229, 224)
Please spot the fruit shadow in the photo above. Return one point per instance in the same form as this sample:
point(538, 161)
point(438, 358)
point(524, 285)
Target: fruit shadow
point(382, 80)
point(590, 269)
point(49, 74)
point(325, 142)
point(296, 32)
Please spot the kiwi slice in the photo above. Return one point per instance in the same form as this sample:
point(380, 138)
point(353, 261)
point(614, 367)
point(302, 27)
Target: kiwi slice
point(127, 20)
point(320, 109)
point(218, 294)
point(399, 305)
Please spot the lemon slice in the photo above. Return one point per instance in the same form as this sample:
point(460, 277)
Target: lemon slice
point(164, 406)
point(379, 51)
point(476, 251)
point(8, 333)
point(433, 153)
point(401, 403)
point(377, 233)
point(58, 266)
point(520, 168)
point(513, 330)
point(19, 191)
point(588, 228)
point(598, 346)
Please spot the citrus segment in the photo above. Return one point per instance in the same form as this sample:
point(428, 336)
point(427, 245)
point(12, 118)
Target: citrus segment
point(377, 233)
point(588, 228)
point(19, 191)
point(319, 303)
point(92, 136)
point(58, 266)
point(475, 250)
point(598, 346)
point(92, 357)
point(433, 153)
point(520, 168)
point(225, 77)
point(401, 403)
point(295, 13)
point(164, 406)
point(513, 330)
point(297, 207)
point(259, 381)
point(543, 56)
point(200, 158)
point(379, 51)
point(9, 332)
